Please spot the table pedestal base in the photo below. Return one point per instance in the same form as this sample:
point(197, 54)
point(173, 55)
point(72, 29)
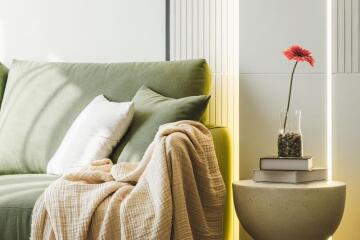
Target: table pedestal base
point(270, 211)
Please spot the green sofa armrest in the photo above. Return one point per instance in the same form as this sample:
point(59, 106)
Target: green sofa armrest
point(222, 145)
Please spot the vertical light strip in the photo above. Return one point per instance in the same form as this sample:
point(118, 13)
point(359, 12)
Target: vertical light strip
point(329, 120)
point(329, 130)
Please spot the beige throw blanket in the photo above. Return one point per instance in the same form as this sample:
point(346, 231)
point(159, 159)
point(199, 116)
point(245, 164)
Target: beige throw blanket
point(175, 192)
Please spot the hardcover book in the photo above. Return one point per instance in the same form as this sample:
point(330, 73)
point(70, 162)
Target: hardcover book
point(316, 174)
point(285, 163)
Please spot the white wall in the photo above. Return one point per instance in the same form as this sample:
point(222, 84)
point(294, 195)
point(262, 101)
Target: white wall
point(82, 30)
point(266, 29)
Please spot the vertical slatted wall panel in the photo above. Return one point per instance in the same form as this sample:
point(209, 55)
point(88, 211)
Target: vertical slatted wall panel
point(346, 36)
point(209, 29)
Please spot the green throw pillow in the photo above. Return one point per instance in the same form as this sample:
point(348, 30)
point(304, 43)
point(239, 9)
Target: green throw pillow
point(151, 111)
point(3, 77)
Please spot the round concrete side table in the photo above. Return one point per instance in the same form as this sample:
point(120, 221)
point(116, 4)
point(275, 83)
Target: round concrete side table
point(280, 211)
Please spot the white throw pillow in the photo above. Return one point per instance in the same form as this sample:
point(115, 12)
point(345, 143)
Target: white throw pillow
point(93, 135)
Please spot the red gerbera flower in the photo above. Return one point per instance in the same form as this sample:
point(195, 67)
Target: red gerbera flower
point(299, 54)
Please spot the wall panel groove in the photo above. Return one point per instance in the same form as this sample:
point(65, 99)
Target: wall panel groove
point(347, 42)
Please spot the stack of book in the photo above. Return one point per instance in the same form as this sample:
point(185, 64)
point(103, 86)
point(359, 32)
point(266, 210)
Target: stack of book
point(288, 170)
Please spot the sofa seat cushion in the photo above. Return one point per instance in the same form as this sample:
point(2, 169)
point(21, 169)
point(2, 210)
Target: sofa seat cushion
point(18, 194)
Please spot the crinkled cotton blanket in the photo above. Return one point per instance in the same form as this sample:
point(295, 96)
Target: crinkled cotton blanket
point(175, 192)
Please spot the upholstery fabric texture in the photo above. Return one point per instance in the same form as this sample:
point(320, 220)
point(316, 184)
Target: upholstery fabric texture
point(42, 100)
point(93, 135)
point(152, 110)
point(222, 143)
point(18, 194)
point(3, 77)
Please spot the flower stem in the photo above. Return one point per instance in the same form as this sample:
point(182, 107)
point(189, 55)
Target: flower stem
point(289, 98)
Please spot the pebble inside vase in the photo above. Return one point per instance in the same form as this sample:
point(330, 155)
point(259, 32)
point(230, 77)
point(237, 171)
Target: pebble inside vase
point(289, 141)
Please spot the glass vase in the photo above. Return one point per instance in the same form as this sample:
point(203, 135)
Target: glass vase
point(290, 142)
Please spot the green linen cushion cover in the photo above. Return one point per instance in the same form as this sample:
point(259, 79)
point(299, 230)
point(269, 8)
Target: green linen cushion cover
point(152, 110)
point(42, 100)
point(3, 77)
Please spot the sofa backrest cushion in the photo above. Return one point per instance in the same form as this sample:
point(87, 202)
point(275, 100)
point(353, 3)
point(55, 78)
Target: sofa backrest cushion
point(42, 100)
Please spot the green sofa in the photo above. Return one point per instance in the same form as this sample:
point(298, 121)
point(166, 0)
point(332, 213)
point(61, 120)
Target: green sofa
point(40, 102)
